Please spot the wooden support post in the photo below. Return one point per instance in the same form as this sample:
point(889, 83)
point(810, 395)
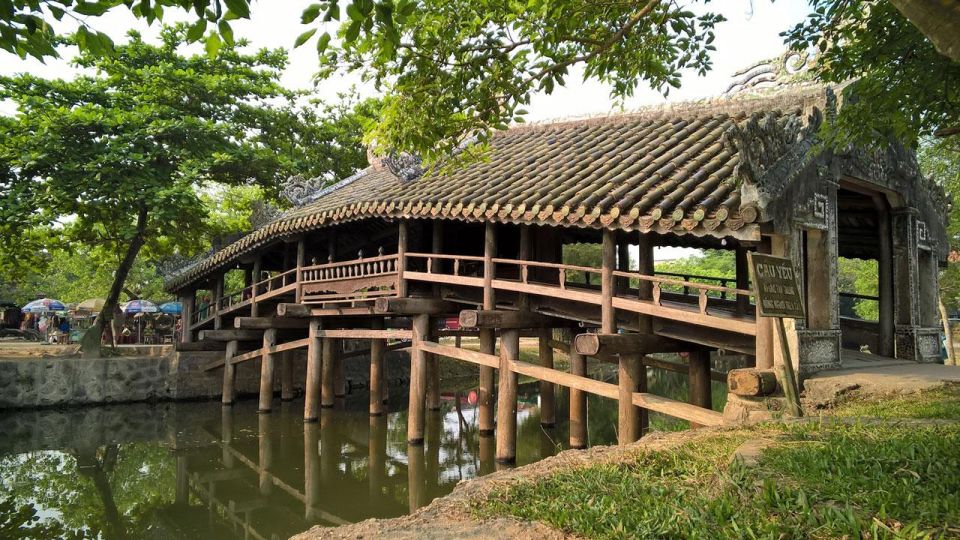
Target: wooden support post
point(523, 299)
point(743, 280)
point(612, 344)
point(188, 300)
point(415, 476)
point(262, 323)
point(495, 318)
point(257, 266)
point(339, 376)
point(402, 239)
point(326, 381)
point(699, 380)
point(487, 336)
point(623, 263)
point(215, 302)
point(645, 266)
point(311, 404)
point(414, 306)
point(628, 379)
point(266, 371)
point(377, 350)
point(229, 374)
point(578, 402)
point(286, 376)
point(311, 470)
point(418, 381)
point(507, 397)
point(437, 247)
point(301, 262)
point(765, 328)
point(608, 321)
point(548, 414)
point(433, 375)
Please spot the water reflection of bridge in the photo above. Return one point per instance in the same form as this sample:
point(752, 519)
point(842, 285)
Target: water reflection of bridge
point(265, 470)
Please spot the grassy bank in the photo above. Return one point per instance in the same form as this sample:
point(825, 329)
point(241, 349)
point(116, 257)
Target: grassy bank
point(828, 479)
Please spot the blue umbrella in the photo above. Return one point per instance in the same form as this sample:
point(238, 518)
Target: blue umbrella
point(140, 306)
point(172, 308)
point(44, 305)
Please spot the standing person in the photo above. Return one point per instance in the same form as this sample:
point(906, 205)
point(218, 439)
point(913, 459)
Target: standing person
point(204, 304)
point(65, 329)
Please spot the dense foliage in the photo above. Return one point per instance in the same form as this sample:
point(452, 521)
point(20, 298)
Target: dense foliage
point(117, 160)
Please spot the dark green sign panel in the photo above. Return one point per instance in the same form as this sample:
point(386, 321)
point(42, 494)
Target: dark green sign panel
point(776, 286)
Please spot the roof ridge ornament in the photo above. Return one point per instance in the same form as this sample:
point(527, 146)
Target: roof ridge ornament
point(792, 68)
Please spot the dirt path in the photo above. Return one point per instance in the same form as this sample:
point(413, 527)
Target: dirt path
point(450, 516)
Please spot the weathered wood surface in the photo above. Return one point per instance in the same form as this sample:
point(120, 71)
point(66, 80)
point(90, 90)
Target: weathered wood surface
point(262, 323)
point(230, 334)
point(414, 306)
point(495, 318)
point(608, 344)
point(751, 382)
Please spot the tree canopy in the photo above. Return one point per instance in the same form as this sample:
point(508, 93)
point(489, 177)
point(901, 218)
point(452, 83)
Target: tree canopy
point(118, 160)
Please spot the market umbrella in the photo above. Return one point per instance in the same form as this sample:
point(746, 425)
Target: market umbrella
point(92, 304)
point(44, 305)
point(140, 306)
point(172, 308)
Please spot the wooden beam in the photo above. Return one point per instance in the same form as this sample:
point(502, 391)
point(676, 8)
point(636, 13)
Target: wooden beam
point(474, 357)
point(199, 346)
point(293, 310)
point(418, 380)
point(228, 393)
point(608, 344)
point(547, 401)
point(311, 404)
point(698, 384)
point(262, 323)
point(377, 353)
point(628, 382)
point(366, 333)
point(507, 397)
point(230, 334)
point(578, 401)
point(414, 306)
point(495, 318)
point(266, 371)
point(751, 382)
point(608, 320)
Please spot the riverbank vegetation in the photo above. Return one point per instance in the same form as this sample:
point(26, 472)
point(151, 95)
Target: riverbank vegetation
point(822, 478)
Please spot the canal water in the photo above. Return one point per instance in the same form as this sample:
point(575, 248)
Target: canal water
point(198, 470)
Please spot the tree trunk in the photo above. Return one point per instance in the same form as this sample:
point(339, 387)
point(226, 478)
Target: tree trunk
point(90, 344)
point(951, 359)
point(937, 20)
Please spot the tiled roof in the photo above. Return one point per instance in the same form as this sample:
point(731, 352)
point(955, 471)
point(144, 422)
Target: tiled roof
point(667, 170)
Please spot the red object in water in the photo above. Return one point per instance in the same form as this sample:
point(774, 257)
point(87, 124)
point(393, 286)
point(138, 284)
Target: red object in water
point(473, 398)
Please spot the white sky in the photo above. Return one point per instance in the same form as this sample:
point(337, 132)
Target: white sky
point(750, 34)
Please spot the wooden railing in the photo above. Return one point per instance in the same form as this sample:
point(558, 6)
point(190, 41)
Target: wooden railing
point(702, 289)
point(349, 281)
point(274, 284)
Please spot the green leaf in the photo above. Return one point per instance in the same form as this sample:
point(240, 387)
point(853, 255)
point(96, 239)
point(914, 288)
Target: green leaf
point(323, 42)
point(354, 13)
point(196, 30)
point(226, 32)
point(353, 31)
point(302, 38)
point(310, 14)
point(212, 45)
point(240, 7)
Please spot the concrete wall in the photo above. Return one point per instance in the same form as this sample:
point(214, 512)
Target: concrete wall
point(45, 382)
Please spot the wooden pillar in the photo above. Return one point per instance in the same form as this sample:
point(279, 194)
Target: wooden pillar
point(418, 381)
point(266, 370)
point(301, 262)
point(257, 271)
point(311, 403)
point(507, 397)
point(339, 376)
point(377, 457)
point(608, 321)
point(188, 300)
point(819, 289)
point(578, 402)
point(433, 374)
point(645, 266)
point(402, 239)
point(699, 380)
point(377, 350)
point(628, 379)
point(523, 302)
point(743, 280)
point(229, 374)
point(415, 476)
point(215, 301)
point(286, 376)
point(487, 336)
point(548, 409)
point(437, 247)
point(326, 380)
point(623, 263)
point(885, 289)
point(226, 436)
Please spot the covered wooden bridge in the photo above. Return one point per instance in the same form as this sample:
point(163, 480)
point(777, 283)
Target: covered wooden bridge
point(385, 254)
